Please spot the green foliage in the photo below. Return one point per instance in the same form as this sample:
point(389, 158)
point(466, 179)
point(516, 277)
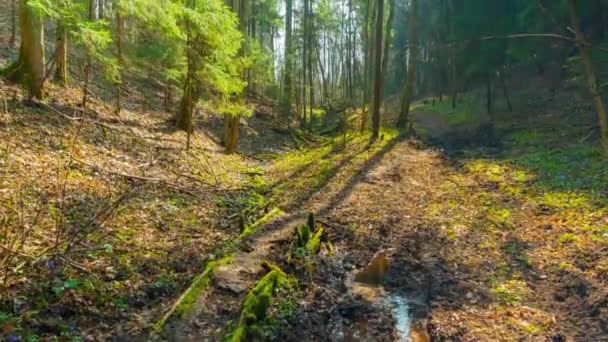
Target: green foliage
point(307, 243)
point(511, 292)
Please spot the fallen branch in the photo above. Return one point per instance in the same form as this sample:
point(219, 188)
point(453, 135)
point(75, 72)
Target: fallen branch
point(516, 36)
point(162, 181)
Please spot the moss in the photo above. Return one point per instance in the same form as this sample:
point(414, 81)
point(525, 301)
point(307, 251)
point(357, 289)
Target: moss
point(313, 244)
point(256, 305)
point(568, 238)
point(274, 213)
point(303, 235)
point(185, 304)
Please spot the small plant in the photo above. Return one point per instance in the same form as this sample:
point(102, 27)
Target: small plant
point(511, 292)
point(568, 238)
point(257, 303)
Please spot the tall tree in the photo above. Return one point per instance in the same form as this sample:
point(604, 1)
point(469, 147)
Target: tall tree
point(377, 71)
point(89, 62)
point(387, 42)
point(119, 57)
point(288, 56)
point(585, 53)
point(404, 120)
point(231, 120)
point(61, 55)
point(11, 42)
point(29, 69)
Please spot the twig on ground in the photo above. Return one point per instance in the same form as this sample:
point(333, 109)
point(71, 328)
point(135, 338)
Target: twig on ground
point(162, 181)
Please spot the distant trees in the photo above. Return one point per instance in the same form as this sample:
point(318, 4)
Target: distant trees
point(216, 53)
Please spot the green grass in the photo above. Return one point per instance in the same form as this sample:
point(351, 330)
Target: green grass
point(294, 176)
point(469, 111)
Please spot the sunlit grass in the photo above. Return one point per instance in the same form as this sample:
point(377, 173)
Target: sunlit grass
point(469, 110)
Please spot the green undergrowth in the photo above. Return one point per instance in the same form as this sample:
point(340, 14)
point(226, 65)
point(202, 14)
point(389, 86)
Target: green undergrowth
point(254, 315)
point(469, 110)
point(307, 241)
point(536, 206)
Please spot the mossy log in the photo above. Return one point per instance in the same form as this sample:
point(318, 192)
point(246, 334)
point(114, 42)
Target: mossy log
point(186, 302)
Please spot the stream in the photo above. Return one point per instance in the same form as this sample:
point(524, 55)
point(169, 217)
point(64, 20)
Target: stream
point(367, 284)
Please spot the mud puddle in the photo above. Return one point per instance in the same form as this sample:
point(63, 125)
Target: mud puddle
point(367, 284)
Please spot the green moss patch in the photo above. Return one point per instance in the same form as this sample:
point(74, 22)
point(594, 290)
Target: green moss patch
point(185, 304)
point(255, 308)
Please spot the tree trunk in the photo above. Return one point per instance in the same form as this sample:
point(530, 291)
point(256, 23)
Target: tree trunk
point(304, 60)
point(505, 88)
point(61, 56)
point(231, 132)
point(452, 54)
point(310, 69)
point(89, 63)
point(387, 42)
point(11, 42)
point(118, 57)
point(190, 96)
point(378, 72)
point(186, 108)
point(287, 80)
point(231, 122)
point(489, 97)
point(585, 52)
point(29, 69)
point(368, 46)
point(404, 120)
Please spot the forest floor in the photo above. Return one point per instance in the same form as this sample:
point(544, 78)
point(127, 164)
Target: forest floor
point(106, 220)
point(114, 219)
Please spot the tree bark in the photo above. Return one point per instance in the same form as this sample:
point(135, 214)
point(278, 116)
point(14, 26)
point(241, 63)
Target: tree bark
point(118, 57)
point(387, 42)
point(61, 56)
point(190, 96)
point(404, 120)
point(378, 72)
point(287, 79)
point(11, 42)
point(367, 77)
point(311, 90)
point(89, 63)
point(505, 89)
point(585, 52)
point(231, 121)
point(489, 97)
point(304, 64)
point(231, 132)
point(29, 69)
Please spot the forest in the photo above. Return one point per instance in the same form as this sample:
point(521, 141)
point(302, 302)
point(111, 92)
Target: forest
point(304, 170)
